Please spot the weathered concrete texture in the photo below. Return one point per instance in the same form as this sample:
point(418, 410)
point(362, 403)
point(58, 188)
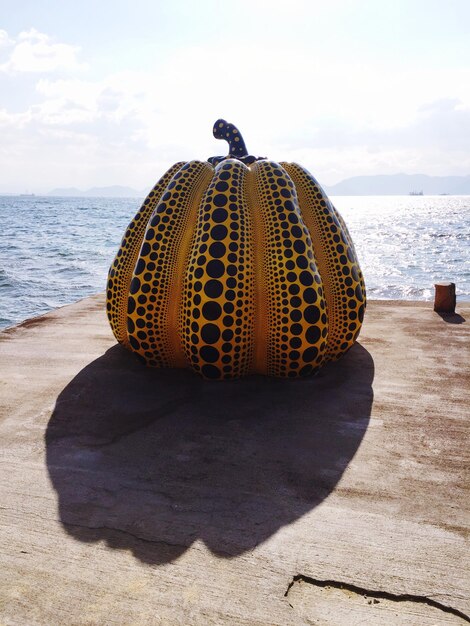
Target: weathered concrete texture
point(134, 496)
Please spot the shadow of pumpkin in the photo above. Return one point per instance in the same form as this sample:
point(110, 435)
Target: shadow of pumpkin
point(152, 460)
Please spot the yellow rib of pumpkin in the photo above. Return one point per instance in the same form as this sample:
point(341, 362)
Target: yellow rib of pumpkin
point(296, 324)
point(351, 243)
point(152, 306)
point(120, 272)
point(337, 261)
point(216, 316)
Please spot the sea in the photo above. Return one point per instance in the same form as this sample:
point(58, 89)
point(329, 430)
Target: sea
point(54, 251)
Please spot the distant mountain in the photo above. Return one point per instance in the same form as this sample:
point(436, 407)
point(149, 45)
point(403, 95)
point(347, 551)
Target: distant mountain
point(379, 185)
point(400, 184)
point(115, 191)
point(63, 191)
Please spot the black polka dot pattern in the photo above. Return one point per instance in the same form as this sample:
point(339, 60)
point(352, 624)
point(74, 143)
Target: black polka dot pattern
point(241, 268)
point(156, 284)
point(337, 261)
point(227, 131)
point(120, 272)
point(296, 324)
point(218, 312)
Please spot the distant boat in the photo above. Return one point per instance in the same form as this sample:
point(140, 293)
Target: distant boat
point(416, 193)
point(27, 195)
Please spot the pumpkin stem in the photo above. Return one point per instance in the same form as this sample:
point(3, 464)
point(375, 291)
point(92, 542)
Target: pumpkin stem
point(230, 133)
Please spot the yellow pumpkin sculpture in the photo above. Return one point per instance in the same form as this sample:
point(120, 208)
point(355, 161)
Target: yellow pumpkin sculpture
point(236, 265)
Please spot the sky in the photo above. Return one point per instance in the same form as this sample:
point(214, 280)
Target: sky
point(113, 93)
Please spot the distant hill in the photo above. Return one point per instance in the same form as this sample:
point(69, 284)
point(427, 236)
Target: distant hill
point(115, 191)
point(400, 184)
point(379, 185)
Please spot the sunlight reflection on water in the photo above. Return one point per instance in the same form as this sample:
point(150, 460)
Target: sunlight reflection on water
point(56, 250)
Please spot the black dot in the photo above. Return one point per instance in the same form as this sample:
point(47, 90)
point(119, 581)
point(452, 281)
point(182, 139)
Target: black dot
point(145, 249)
point(130, 325)
point(213, 288)
point(313, 334)
point(215, 269)
point(310, 295)
point(310, 354)
point(299, 246)
point(217, 250)
point(219, 232)
point(219, 215)
point(220, 200)
point(210, 333)
point(135, 285)
point(140, 267)
point(296, 315)
point(134, 343)
point(312, 314)
point(296, 231)
point(211, 310)
point(306, 278)
point(210, 371)
point(131, 305)
point(209, 354)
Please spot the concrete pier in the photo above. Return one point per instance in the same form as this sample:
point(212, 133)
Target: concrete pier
point(135, 496)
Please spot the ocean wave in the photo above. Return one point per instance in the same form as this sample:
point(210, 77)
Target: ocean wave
point(404, 247)
point(6, 280)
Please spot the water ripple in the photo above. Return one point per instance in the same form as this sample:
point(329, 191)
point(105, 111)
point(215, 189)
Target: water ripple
point(56, 250)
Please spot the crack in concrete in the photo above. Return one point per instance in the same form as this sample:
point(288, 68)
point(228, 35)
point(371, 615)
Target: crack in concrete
point(383, 595)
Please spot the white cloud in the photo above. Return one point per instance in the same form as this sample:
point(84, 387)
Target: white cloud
point(5, 40)
point(36, 53)
point(338, 119)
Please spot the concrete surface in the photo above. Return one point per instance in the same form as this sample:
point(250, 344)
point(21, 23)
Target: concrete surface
point(134, 496)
